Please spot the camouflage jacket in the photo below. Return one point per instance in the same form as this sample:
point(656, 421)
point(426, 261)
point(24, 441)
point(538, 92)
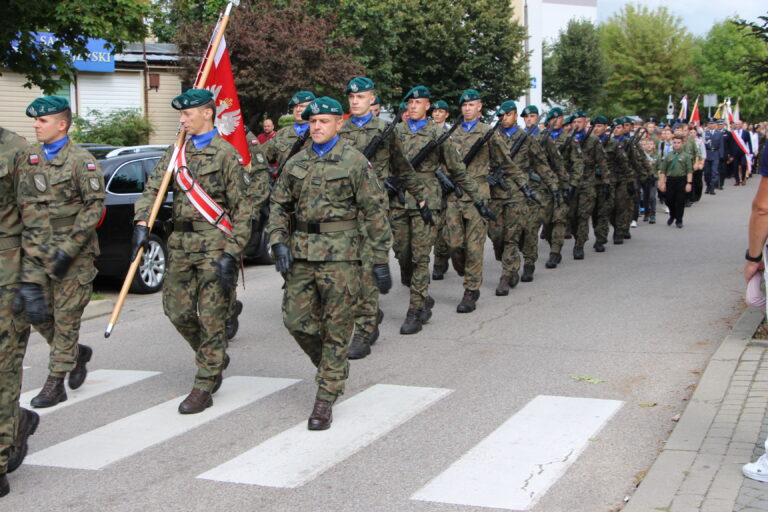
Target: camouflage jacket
point(596, 170)
point(279, 147)
point(554, 159)
point(338, 186)
point(494, 154)
point(573, 158)
point(61, 201)
point(218, 171)
point(531, 159)
point(260, 172)
point(12, 146)
point(618, 163)
point(446, 157)
point(389, 159)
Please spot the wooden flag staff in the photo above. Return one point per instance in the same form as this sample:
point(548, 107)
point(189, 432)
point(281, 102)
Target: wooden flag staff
point(163, 190)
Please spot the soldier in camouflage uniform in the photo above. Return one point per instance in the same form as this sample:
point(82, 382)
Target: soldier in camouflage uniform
point(393, 169)
point(61, 196)
point(329, 186)
point(545, 185)
point(16, 423)
point(465, 229)
point(615, 207)
point(202, 260)
point(596, 180)
point(279, 147)
point(413, 239)
point(513, 205)
point(440, 113)
point(625, 184)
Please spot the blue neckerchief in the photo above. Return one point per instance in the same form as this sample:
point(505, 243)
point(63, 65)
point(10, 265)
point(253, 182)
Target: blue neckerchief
point(509, 132)
point(325, 147)
point(555, 133)
point(535, 130)
point(603, 137)
point(300, 128)
point(580, 135)
point(470, 125)
point(51, 150)
point(361, 121)
point(620, 139)
point(417, 125)
point(202, 140)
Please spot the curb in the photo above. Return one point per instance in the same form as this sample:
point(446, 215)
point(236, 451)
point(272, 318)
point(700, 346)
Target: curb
point(97, 308)
point(663, 480)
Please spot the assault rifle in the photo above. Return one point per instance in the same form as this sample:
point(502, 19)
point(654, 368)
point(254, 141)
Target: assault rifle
point(445, 182)
point(373, 146)
point(477, 146)
point(294, 149)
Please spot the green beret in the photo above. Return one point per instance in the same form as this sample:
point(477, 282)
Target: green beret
point(468, 95)
point(359, 84)
point(324, 105)
point(440, 104)
point(530, 109)
point(403, 106)
point(300, 97)
point(578, 114)
point(568, 120)
point(627, 119)
point(600, 120)
point(553, 113)
point(192, 98)
point(47, 105)
point(506, 107)
point(376, 101)
point(417, 92)
point(618, 120)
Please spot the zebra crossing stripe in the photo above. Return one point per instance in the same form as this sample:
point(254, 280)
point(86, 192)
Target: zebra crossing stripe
point(516, 464)
point(296, 456)
point(97, 383)
point(130, 435)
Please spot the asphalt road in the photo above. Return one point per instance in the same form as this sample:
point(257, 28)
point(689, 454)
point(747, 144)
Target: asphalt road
point(637, 324)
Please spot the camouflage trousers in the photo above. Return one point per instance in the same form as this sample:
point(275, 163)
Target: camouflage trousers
point(319, 312)
point(67, 299)
point(412, 242)
point(580, 211)
point(623, 209)
point(537, 215)
point(505, 232)
point(464, 231)
point(14, 333)
point(197, 305)
point(442, 251)
point(601, 214)
point(555, 222)
point(368, 303)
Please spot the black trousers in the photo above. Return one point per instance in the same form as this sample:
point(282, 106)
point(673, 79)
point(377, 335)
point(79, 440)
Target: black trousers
point(675, 197)
point(698, 185)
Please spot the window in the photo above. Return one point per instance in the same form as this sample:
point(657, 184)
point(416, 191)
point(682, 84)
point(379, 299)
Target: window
point(128, 179)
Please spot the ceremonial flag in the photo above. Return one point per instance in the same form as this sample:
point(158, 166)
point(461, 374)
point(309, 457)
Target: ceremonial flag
point(229, 119)
point(736, 113)
point(719, 114)
point(695, 113)
point(683, 108)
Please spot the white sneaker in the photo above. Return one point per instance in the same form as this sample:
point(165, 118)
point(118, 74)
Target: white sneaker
point(666, 210)
point(757, 470)
point(634, 224)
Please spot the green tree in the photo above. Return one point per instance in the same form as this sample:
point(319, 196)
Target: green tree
point(650, 55)
point(166, 16)
point(574, 68)
point(126, 127)
point(720, 64)
point(72, 22)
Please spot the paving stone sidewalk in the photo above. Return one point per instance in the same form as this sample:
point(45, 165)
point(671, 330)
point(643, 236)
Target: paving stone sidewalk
point(723, 427)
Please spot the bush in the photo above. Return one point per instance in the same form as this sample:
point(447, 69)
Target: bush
point(285, 121)
point(118, 128)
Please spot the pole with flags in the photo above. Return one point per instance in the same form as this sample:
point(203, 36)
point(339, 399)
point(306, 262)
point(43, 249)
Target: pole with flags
point(695, 113)
point(202, 79)
point(736, 111)
point(683, 108)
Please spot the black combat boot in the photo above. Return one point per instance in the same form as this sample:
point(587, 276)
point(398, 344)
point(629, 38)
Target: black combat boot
point(322, 415)
point(5, 487)
point(468, 302)
point(233, 324)
point(77, 375)
point(359, 348)
point(439, 270)
point(627, 235)
point(426, 311)
point(528, 270)
point(412, 323)
point(197, 401)
point(28, 422)
point(52, 393)
point(503, 287)
point(618, 238)
point(599, 246)
point(554, 259)
point(578, 253)
point(220, 377)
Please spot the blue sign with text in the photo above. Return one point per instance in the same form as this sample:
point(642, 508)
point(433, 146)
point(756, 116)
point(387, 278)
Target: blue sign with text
point(99, 58)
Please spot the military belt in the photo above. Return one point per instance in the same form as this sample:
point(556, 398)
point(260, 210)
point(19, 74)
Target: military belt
point(63, 222)
point(316, 228)
point(11, 242)
point(187, 226)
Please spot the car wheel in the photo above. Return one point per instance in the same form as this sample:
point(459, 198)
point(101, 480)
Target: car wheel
point(151, 273)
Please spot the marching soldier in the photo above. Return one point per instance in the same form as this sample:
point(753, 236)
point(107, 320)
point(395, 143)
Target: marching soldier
point(211, 225)
point(440, 114)
point(329, 186)
point(376, 107)
point(618, 212)
point(413, 238)
point(61, 196)
point(279, 147)
point(392, 169)
point(16, 423)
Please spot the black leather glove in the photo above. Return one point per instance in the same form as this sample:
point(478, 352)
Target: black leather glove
point(426, 214)
point(382, 277)
point(529, 194)
point(605, 190)
point(445, 182)
point(61, 263)
point(140, 238)
point(492, 181)
point(556, 197)
point(631, 187)
point(484, 211)
point(283, 258)
point(35, 309)
point(226, 271)
point(392, 184)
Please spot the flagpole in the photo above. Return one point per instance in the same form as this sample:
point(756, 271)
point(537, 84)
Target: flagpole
point(163, 189)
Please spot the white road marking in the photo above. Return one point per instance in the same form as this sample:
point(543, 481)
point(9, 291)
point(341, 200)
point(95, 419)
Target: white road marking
point(296, 456)
point(516, 464)
point(97, 383)
point(125, 437)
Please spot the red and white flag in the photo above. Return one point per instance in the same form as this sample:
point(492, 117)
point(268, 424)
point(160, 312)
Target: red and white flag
point(229, 118)
point(695, 113)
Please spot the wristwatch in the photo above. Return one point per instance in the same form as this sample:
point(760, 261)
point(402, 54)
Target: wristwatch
point(755, 259)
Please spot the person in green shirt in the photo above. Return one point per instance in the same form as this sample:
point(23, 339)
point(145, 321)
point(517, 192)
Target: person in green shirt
point(676, 180)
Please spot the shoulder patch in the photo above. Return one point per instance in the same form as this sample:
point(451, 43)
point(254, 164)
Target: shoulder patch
point(260, 158)
point(246, 178)
point(91, 166)
point(240, 160)
point(34, 159)
point(254, 142)
point(40, 182)
point(94, 183)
